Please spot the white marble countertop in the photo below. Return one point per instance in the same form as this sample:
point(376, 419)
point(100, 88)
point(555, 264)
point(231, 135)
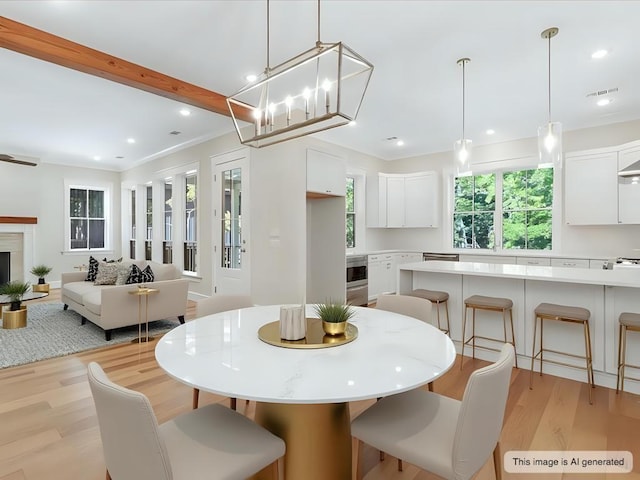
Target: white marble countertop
point(222, 354)
point(613, 278)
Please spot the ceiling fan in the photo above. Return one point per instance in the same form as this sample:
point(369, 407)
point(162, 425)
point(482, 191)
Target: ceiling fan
point(30, 161)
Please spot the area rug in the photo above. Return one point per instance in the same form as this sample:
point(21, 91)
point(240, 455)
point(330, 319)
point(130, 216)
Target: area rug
point(54, 332)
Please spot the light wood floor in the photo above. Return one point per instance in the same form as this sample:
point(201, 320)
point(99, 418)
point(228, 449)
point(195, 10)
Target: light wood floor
point(48, 427)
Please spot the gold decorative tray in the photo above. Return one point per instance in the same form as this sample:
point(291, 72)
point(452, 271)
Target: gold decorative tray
point(316, 338)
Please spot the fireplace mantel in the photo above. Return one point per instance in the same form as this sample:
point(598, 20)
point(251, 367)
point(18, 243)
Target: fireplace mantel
point(20, 220)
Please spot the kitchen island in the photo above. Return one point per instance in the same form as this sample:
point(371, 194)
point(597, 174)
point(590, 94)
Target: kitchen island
point(606, 293)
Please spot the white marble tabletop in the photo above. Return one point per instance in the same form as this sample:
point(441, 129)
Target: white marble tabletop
point(613, 278)
point(222, 354)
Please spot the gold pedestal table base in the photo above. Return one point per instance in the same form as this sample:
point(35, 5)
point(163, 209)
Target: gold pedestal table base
point(317, 436)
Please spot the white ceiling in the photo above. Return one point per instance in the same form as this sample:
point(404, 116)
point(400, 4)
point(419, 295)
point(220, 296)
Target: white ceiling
point(63, 116)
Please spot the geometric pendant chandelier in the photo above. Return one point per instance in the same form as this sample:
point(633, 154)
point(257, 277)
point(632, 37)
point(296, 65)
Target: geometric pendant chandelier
point(550, 135)
point(319, 89)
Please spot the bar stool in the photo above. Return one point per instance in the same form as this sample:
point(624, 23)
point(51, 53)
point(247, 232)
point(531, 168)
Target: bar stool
point(627, 321)
point(563, 313)
point(491, 304)
point(439, 298)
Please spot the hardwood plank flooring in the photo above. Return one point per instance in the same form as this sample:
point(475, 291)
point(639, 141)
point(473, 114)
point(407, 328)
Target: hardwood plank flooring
point(48, 427)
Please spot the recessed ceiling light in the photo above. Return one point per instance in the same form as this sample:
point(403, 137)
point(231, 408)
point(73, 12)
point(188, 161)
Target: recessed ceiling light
point(490, 131)
point(96, 158)
point(131, 140)
point(400, 143)
point(119, 157)
point(251, 77)
point(604, 101)
point(599, 54)
point(352, 123)
point(185, 112)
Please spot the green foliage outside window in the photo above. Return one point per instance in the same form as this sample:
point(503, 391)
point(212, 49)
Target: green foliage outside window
point(527, 199)
point(475, 203)
point(351, 215)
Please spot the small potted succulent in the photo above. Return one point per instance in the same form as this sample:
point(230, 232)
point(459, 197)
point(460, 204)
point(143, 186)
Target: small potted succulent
point(334, 316)
point(41, 271)
point(15, 290)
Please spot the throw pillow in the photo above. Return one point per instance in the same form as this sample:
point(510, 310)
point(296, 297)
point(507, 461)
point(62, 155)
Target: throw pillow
point(107, 274)
point(135, 275)
point(93, 270)
point(147, 274)
point(140, 276)
point(111, 261)
point(124, 270)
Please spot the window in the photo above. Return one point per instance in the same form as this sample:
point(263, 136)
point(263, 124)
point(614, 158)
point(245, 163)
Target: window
point(351, 213)
point(87, 218)
point(167, 248)
point(149, 220)
point(527, 199)
point(132, 239)
point(474, 207)
point(520, 216)
point(190, 219)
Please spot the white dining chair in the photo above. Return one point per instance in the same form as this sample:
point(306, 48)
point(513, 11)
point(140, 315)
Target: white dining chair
point(408, 305)
point(207, 443)
point(448, 437)
point(218, 304)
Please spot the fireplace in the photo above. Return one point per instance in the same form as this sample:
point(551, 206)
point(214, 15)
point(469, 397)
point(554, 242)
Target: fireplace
point(5, 267)
point(17, 238)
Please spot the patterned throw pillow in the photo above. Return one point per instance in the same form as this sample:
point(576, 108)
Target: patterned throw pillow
point(140, 276)
point(124, 270)
point(107, 274)
point(93, 270)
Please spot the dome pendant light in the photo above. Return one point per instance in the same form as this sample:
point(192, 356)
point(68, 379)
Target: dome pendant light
point(550, 135)
point(462, 147)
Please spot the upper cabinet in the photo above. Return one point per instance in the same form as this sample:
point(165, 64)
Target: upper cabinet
point(326, 175)
point(403, 200)
point(594, 194)
point(591, 188)
point(628, 188)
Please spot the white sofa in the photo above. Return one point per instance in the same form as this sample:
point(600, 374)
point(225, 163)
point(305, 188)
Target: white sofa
point(111, 306)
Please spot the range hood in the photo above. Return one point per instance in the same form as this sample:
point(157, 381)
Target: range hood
point(632, 170)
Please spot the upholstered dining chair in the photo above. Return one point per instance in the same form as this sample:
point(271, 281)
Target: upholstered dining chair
point(218, 304)
point(210, 442)
point(408, 305)
point(447, 437)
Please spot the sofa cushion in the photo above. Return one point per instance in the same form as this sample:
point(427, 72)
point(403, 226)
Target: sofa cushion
point(124, 270)
point(92, 301)
point(77, 290)
point(92, 271)
point(107, 274)
point(165, 271)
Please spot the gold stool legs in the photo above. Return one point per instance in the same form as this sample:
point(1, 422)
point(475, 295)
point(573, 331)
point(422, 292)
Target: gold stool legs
point(622, 356)
point(472, 339)
point(446, 311)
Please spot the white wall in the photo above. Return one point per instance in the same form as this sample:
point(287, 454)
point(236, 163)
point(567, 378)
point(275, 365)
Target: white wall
point(594, 241)
point(39, 192)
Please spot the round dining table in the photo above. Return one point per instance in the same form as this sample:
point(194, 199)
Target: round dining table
point(303, 394)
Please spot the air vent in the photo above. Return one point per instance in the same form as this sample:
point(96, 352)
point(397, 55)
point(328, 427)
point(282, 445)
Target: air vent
point(175, 132)
point(602, 92)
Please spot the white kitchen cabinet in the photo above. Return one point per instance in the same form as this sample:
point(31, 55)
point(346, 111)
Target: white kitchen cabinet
point(403, 200)
point(628, 188)
point(326, 174)
point(591, 188)
point(382, 274)
point(570, 262)
point(544, 261)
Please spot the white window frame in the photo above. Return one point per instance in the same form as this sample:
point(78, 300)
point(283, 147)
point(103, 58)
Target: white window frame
point(499, 167)
point(107, 188)
point(359, 200)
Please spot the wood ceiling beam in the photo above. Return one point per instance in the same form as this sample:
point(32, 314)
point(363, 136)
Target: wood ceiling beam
point(39, 44)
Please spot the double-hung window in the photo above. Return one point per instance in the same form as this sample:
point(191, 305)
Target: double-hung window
point(190, 223)
point(87, 218)
point(350, 212)
point(167, 247)
point(149, 221)
point(510, 210)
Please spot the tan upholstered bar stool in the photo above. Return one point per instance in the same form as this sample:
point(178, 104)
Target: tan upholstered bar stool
point(491, 304)
point(563, 313)
point(627, 321)
point(438, 298)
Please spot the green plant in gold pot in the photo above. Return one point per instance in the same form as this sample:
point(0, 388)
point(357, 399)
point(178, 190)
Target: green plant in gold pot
point(334, 316)
point(40, 271)
point(15, 290)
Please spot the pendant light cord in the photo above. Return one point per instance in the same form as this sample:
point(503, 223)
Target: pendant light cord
point(549, 70)
point(463, 98)
point(268, 65)
point(318, 42)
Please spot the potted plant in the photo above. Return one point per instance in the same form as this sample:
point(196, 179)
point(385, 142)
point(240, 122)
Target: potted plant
point(40, 271)
point(334, 316)
point(15, 290)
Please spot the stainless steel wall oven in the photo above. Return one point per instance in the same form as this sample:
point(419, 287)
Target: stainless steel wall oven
point(357, 280)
